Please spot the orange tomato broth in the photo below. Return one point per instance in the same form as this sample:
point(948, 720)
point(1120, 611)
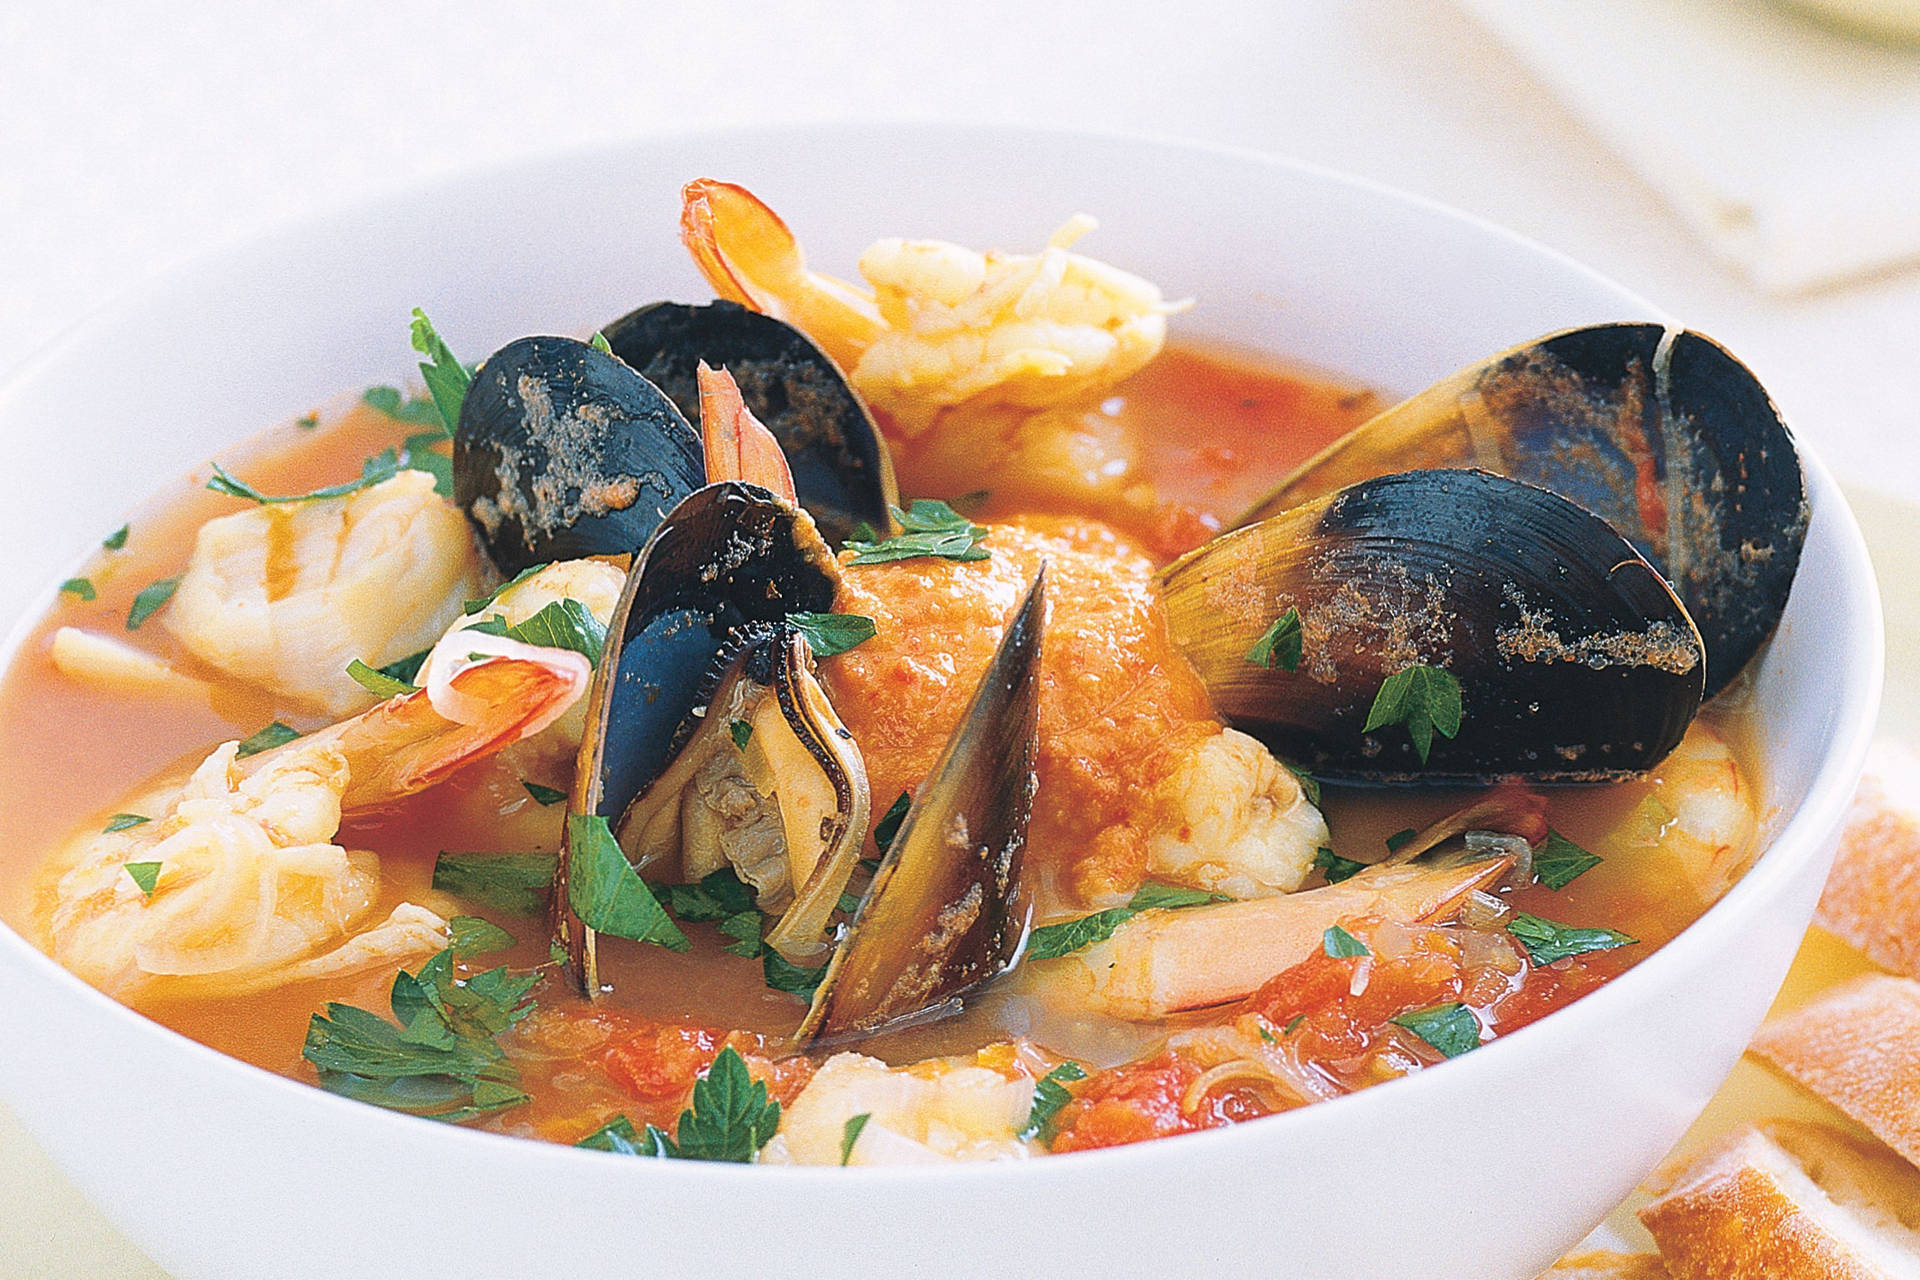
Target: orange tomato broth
point(1213, 431)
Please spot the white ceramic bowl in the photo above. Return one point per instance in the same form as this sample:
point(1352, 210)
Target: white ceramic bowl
point(1487, 1167)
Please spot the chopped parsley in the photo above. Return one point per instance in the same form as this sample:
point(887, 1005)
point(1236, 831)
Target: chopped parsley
point(889, 825)
point(1337, 867)
point(378, 683)
point(608, 894)
point(730, 1120)
point(144, 874)
point(618, 1136)
point(742, 733)
point(517, 883)
point(1293, 1025)
point(1559, 861)
point(422, 453)
point(1309, 785)
point(1424, 699)
point(1279, 645)
point(81, 587)
point(472, 607)
point(560, 624)
point(744, 929)
point(599, 343)
point(719, 896)
point(932, 528)
point(307, 421)
point(149, 600)
point(1051, 941)
point(850, 1134)
point(1450, 1028)
point(1398, 839)
point(122, 821)
point(117, 539)
point(389, 401)
point(832, 633)
point(1341, 945)
point(406, 668)
point(1547, 941)
point(381, 467)
point(544, 794)
point(446, 378)
point(782, 974)
point(1049, 1096)
point(274, 735)
point(473, 936)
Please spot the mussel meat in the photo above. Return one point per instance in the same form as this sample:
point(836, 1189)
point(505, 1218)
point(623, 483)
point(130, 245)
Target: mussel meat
point(1575, 660)
point(840, 463)
point(1660, 432)
point(563, 451)
point(944, 913)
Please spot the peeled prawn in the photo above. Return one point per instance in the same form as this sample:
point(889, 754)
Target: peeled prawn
point(1162, 961)
point(250, 890)
point(286, 595)
point(1699, 811)
point(943, 325)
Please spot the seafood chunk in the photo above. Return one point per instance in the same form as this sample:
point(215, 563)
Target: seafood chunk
point(250, 889)
point(1121, 714)
point(1699, 811)
point(943, 325)
point(932, 1112)
point(286, 595)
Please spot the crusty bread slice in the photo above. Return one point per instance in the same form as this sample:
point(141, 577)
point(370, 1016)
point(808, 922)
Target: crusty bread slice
point(1857, 1048)
point(1788, 1201)
point(1599, 1264)
point(1872, 898)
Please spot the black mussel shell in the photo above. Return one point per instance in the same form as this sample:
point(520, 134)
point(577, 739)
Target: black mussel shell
point(1575, 661)
point(563, 451)
point(840, 464)
point(944, 913)
point(1658, 431)
point(729, 557)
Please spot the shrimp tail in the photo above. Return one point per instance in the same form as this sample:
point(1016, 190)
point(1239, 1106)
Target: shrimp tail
point(737, 446)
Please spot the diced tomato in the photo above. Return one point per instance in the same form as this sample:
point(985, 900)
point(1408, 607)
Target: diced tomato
point(659, 1065)
point(1554, 987)
point(1131, 1104)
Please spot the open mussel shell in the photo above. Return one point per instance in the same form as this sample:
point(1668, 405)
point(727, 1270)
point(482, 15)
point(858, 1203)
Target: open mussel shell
point(563, 451)
point(730, 556)
point(768, 784)
point(1658, 431)
point(840, 464)
point(944, 913)
point(1575, 660)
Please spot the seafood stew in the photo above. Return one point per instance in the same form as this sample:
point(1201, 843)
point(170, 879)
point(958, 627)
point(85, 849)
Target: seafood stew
point(743, 757)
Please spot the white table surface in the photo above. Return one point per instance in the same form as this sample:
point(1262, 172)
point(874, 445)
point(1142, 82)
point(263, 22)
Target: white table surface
point(134, 136)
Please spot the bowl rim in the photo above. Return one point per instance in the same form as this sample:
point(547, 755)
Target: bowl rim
point(1800, 837)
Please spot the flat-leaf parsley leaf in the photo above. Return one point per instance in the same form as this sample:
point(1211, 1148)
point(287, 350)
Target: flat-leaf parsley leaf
point(1424, 699)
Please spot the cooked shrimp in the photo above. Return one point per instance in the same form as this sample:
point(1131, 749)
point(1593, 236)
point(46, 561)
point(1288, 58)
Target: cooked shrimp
point(286, 595)
point(939, 1110)
point(1699, 811)
point(1137, 775)
point(250, 890)
point(944, 325)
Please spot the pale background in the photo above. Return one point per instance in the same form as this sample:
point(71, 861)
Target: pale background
point(136, 136)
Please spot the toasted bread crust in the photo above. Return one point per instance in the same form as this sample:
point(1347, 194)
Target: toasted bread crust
point(1746, 1208)
point(1872, 898)
point(1857, 1047)
point(1599, 1264)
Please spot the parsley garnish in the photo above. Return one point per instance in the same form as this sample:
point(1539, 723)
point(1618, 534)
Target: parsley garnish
point(121, 821)
point(608, 894)
point(1337, 867)
point(1266, 1036)
point(513, 882)
point(932, 529)
point(850, 1134)
point(1547, 941)
point(720, 895)
point(1450, 1028)
point(381, 467)
point(1341, 945)
point(1051, 941)
point(389, 401)
point(599, 343)
point(1398, 839)
point(1049, 1096)
point(744, 929)
point(1559, 861)
point(82, 587)
point(274, 735)
point(1294, 1025)
point(832, 633)
point(150, 598)
point(144, 874)
point(742, 732)
point(472, 607)
point(1309, 784)
point(446, 378)
point(473, 936)
point(730, 1120)
point(307, 421)
point(1279, 646)
point(378, 683)
point(618, 1136)
point(782, 974)
point(1424, 699)
point(406, 668)
point(889, 825)
point(544, 794)
point(423, 454)
point(117, 539)
point(560, 624)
